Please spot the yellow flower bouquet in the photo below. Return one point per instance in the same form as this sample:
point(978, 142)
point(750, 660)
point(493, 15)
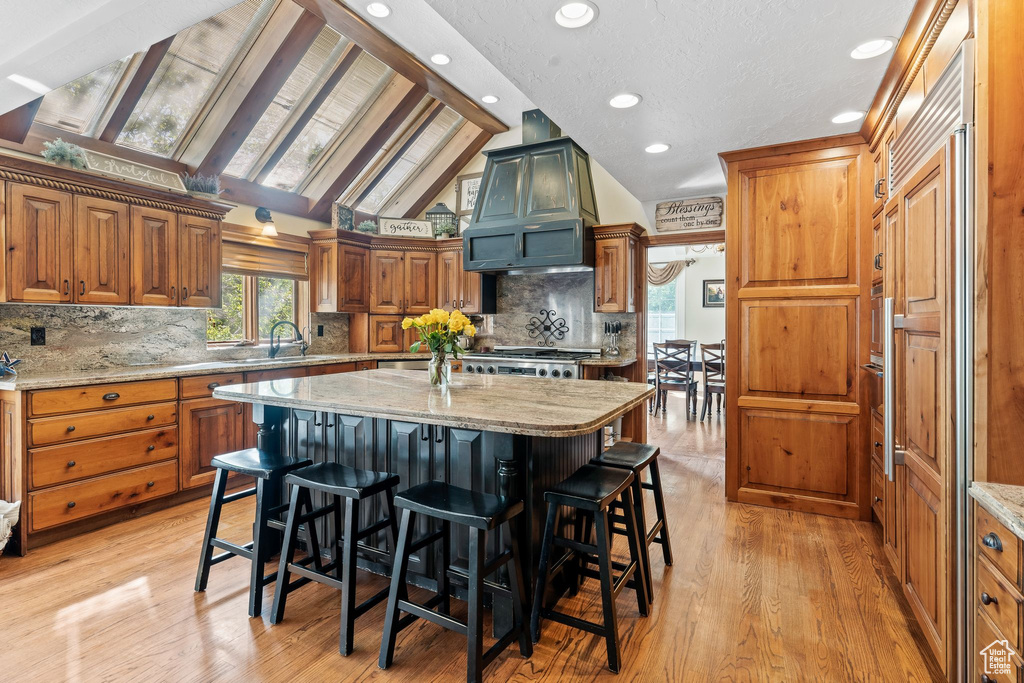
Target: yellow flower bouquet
point(440, 330)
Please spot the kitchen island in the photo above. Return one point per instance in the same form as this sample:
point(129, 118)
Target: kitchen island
point(507, 435)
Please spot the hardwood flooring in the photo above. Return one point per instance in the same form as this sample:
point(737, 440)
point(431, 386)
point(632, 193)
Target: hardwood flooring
point(754, 595)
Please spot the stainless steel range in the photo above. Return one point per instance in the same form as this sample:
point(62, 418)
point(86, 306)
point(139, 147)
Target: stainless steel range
point(529, 361)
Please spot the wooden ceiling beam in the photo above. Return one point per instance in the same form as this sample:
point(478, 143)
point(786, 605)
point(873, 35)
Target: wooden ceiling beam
point(262, 93)
point(346, 22)
point(133, 91)
point(15, 124)
point(434, 175)
point(365, 139)
point(432, 113)
point(352, 52)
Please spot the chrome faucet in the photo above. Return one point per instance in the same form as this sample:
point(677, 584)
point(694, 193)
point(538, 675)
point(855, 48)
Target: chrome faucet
point(298, 337)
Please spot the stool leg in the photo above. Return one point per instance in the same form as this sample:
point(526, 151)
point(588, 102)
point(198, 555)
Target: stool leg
point(604, 561)
point(312, 542)
point(220, 482)
point(259, 551)
point(389, 500)
point(291, 537)
point(577, 534)
point(444, 583)
point(339, 533)
point(519, 605)
point(475, 618)
point(659, 507)
point(542, 569)
point(398, 573)
point(348, 593)
point(641, 524)
point(636, 554)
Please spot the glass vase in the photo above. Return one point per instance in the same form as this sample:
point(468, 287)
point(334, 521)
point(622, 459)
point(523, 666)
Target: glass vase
point(439, 369)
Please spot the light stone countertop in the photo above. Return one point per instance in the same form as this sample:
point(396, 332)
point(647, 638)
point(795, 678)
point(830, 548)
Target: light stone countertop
point(515, 405)
point(42, 380)
point(609, 361)
point(1005, 502)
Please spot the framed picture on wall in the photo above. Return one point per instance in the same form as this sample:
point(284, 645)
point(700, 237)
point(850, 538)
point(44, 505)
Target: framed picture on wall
point(467, 187)
point(714, 294)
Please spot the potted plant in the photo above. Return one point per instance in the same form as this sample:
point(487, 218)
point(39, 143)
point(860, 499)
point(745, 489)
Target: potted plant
point(440, 330)
point(202, 186)
point(367, 226)
point(445, 230)
point(64, 154)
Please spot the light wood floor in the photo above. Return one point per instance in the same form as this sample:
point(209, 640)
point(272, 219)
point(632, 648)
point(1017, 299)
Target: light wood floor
point(754, 595)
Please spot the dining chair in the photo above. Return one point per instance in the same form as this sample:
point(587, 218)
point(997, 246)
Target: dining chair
point(673, 362)
point(712, 361)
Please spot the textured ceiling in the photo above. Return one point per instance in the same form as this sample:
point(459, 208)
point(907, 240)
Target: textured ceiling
point(715, 75)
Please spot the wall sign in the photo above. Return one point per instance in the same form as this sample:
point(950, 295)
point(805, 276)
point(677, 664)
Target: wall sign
point(405, 227)
point(131, 170)
point(467, 189)
point(689, 215)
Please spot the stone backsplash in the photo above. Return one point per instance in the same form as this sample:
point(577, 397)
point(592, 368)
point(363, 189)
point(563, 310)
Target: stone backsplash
point(95, 337)
point(571, 295)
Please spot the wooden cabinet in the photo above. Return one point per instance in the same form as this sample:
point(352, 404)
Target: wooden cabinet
point(420, 281)
point(386, 334)
point(449, 279)
point(877, 249)
point(466, 290)
point(387, 282)
point(199, 262)
point(101, 247)
point(154, 262)
point(339, 273)
point(209, 427)
point(614, 268)
point(997, 604)
point(39, 244)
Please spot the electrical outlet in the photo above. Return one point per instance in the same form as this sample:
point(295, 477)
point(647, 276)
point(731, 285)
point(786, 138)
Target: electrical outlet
point(319, 330)
point(38, 336)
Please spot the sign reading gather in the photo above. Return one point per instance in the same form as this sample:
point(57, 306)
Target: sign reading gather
point(405, 227)
point(689, 215)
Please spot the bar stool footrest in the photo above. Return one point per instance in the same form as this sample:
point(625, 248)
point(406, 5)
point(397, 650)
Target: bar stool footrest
point(583, 625)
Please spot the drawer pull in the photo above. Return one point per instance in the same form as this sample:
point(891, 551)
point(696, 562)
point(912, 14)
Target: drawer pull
point(150, 447)
point(151, 417)
point(71, 463)
point(992, 541)
point(71, 428)
point(150, 484)
point(212, 385)
point(878, 444)
point(987, 599)
point(877, 499)
point(112, 396)
point(986, 679)
point(71, 504)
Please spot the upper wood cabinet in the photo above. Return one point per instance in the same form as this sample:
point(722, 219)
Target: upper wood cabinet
point(339, 273)
point(154, 257)
point(199, 262)
point(470, 292)
point(39, 244)
point(449, 279)
point(387, 282)
point(614, 268)
point(420, 281)
point(101, 251)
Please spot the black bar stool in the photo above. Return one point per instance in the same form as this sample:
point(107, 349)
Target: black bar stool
point(349, 484)
point(638, 457)
point(269, 469)
point(481, 512)
point(590, 491)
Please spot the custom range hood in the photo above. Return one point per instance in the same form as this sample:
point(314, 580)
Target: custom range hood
point(536, 207)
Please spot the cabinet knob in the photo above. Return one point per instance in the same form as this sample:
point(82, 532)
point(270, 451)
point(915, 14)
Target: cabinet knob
point(212, 385)
point(83, 287)
point(986, 679)
point(150, 447)
point(71, 463)
point(992, 541)
point(71, 504)
point(987, 599)
point(150, 484)
point(877, 499)
point(112, 396)
point(71, 428)
point(878, 444)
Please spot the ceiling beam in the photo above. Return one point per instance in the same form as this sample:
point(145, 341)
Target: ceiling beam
point(15, 124)
point(349, 24)
point(394, 155)
point(437, 173)
point(352, 52)
point(262, 93)
point(365, 139)
point(133, 91)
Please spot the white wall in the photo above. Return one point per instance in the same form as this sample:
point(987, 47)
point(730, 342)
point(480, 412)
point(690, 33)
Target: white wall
point(706, 325)
point(286, 224)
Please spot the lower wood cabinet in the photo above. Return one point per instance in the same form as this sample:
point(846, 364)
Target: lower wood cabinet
point(386, 334)
point(997, 604)
point(83, 459)
point(209, 427)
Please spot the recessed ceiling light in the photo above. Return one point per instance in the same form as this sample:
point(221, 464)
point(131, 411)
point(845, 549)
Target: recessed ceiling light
point(848, 117)
point(657, 148)
point(576, 14)
point(625, 100)
point(378, 9)
point(440, 59)
point(872, 48)
point(489, 99)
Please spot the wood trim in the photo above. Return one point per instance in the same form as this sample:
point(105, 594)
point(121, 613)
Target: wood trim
point(352, 53)
point(15, 124)
point(674, 239)
point(812, 145)
point(607, 231)
point(263, 91)
point(923, 28)
point(809, 406)
point(816, 292)
point(133, 91)
point(346, 22)
point(245, 234)
point(423, 196)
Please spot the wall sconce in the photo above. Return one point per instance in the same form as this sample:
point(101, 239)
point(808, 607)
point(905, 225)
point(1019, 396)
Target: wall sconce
point(264, 217)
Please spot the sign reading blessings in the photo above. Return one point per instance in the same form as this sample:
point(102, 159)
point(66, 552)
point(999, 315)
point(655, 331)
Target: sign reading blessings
point(686, 215)
point(405, 227)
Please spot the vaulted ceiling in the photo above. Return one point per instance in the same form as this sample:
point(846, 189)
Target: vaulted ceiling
point(295, 103)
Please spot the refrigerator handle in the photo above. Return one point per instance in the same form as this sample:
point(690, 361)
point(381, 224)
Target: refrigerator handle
point(891, 323)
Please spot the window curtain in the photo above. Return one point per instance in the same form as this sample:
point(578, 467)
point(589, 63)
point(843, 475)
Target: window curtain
point(246, 252)
point(662, 275)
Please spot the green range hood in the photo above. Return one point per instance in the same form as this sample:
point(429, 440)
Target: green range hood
point(536, 207)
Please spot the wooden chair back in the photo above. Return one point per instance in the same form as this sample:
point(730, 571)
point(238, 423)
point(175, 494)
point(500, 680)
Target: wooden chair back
point(712, 361)
point(674, 361)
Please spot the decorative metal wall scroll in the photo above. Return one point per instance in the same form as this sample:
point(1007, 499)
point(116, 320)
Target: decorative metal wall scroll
point(546, 328)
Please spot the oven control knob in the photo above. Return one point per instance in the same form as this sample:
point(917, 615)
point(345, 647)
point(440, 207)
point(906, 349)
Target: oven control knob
point(490, 369)
point(555, 373)
point(567, 374)
point(479, 368)
point(469, 368)
point(542, 372)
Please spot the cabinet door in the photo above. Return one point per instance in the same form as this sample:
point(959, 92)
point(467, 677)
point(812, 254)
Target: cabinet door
point(101, 252)
point(386, 334)
point(876, 324)
point(420, 282)
point(199, 261)
point(39, 240)
point(877, 250)
point(449, 280)
point(154, 257)
point(324, 285)
point(412, 457)
point(387, 282)
point(610, 275)
point(209, 427)
point(472, 299)
point(354, 295)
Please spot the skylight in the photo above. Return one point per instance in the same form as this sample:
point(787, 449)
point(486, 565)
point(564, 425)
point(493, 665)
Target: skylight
point(79, 106)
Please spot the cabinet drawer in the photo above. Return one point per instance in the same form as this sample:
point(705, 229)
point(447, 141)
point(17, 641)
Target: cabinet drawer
point(64, 428)
point(203, 386)
point(1004, 603)
point(278, 373)
point(985, 634)
point(366, 365)
point(878, 491)
point(877, 437)
point(998, 544)
point(72, 502)
point(74, 461)
point(332, 369)
point(97, 396)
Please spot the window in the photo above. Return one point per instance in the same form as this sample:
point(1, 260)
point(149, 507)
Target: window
point(251, 305)
point(227, 323)
point(78, 106)
point(661, 313)
point(276, 300)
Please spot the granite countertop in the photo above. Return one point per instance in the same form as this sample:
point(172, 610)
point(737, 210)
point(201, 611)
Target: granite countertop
point(609, 361)
point(515, 405)
point(1005, 502)
point(42, 380)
